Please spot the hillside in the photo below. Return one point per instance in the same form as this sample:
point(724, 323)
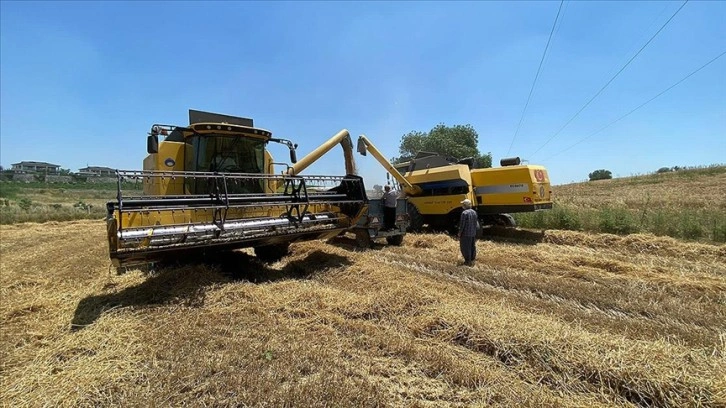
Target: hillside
point(553, 319)
point(687, 204)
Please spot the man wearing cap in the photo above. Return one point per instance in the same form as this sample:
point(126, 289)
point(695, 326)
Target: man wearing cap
point(468, 224)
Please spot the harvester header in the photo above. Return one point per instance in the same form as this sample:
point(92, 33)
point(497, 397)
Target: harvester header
point(211, 186)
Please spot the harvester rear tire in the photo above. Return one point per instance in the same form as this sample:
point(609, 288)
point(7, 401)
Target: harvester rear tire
point(506, 220)
point(272, 253)
point(415, 218)
point(396, 240)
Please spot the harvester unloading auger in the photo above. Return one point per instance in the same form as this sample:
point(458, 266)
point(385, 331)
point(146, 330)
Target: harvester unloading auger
point(212, 186)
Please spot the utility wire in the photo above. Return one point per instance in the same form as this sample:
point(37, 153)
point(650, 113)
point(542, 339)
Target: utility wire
point(639, 106)
point(564, 11)
point(611, 79)
point(519, 125)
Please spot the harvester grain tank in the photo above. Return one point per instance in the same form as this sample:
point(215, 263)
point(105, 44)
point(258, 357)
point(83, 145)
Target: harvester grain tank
point(212, 186)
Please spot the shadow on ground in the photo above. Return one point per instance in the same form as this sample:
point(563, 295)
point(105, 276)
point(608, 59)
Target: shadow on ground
point(512, 235)
point(185, 283)
point(349, 243)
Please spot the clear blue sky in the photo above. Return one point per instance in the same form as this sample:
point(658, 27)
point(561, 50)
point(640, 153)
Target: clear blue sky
point(83, 82)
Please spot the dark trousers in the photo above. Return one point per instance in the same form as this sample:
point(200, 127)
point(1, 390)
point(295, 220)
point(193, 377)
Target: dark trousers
point(468, 248)
point(389, 217)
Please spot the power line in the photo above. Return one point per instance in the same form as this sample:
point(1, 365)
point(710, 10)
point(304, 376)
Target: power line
point(519, 125)
point(564, 11)
point(611, 79)
point(639, 106)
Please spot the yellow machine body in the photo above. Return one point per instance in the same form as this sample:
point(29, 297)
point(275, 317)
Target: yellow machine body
point(436, 185)
point(211, 185)
point(511, 189)
point(442, 188)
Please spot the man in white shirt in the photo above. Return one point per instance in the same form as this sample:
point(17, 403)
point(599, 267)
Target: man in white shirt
point(389, 208)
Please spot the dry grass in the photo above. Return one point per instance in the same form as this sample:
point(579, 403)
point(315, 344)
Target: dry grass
point(553, 319)
point(687, 204)
point(687, 189)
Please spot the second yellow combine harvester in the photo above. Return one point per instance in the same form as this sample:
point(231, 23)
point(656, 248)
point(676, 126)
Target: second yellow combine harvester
point(212, 186)
point(435, 185)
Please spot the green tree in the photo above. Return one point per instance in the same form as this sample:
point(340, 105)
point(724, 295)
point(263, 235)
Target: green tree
point(459, 142)
point(663, 170)
point(601, 174)
point(65, 172)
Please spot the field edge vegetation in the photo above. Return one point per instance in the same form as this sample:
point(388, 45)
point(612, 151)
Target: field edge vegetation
point(685, 204)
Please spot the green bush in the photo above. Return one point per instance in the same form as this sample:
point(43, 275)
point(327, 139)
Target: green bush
point(661, 222)
point(691, 229)
point(718, 231)
point(564, 218)
point(601, 174)
point(617, 221)
point(25, 203)
point(14, 214)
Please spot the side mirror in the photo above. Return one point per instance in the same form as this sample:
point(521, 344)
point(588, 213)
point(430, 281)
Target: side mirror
point(293, 156)
point(152, 144)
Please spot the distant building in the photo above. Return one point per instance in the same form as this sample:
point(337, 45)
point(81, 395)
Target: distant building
point(35, 167)
point(97, 171)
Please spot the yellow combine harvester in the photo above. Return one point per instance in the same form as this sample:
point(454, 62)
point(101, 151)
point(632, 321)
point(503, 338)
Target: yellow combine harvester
point(211, 185)
point(436, 185)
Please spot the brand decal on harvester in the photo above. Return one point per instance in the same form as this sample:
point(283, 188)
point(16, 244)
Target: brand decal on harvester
point(502, 188)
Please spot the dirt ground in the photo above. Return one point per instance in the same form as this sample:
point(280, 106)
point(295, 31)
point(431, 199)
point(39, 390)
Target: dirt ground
point(544, 319)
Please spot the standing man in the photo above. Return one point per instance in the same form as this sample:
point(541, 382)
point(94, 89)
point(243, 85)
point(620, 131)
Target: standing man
point(389, 208)
point(468, 225)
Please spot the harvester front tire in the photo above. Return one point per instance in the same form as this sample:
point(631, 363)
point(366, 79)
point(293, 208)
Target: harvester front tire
point(396, 240)
point(272, 253)
point(363, 238)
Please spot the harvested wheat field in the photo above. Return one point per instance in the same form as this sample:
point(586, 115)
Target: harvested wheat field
point(562, 319)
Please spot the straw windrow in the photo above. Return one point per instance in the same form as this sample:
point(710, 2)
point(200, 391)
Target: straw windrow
point(570, 319)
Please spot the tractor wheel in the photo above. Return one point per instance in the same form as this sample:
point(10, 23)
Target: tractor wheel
point(272, 253)
point(415, 218)
point(396, 240)
point(362, 238)
point(505, 220)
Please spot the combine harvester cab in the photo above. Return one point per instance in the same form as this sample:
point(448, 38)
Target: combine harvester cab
point(211, 186)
